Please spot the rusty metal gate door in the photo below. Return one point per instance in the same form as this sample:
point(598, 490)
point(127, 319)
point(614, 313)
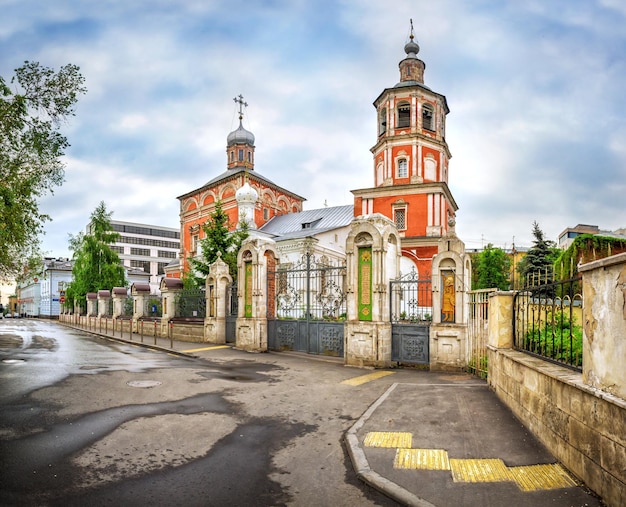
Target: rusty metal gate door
point(411, 315)
point(308, 306)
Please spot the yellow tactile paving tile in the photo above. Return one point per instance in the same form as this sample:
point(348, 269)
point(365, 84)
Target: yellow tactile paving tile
point(357, 381)
point(392, 439)
point(479, 470)
point(422, 459)
point(537, 477)
point(189, 351)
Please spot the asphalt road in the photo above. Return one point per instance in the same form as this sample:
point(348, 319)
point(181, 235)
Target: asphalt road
point(88, 421)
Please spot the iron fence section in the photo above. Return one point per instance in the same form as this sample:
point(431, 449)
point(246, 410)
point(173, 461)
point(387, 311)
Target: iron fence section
point(191, 303)
point(127, 307)
point(153, 306)
point(410, 300)
point(547, 321)
point(477, 331)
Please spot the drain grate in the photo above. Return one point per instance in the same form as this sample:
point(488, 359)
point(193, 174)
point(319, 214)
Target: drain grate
point(144, 383)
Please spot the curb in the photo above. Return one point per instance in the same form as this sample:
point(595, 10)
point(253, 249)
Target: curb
point(364, 471)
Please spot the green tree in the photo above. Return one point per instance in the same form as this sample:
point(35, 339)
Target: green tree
point(31, 149)
point(218, 240)
point(96, 265)
point(492, 267)
point(537, 265)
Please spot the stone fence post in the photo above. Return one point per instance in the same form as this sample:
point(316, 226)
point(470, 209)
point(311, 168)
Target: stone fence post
point(604, 324)
point(218, 284)
point(140, 292)
point(119, 295)
point(92, 305)
point(500, 330)
point(170, 288)
point(104, 296)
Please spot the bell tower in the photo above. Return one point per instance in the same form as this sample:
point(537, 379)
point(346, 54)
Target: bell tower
point(410, 162)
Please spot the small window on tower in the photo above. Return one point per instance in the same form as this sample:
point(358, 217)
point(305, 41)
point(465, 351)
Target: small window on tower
point(266, 214)
point(382, 122)
point(403, 171)
point(232, 156)
point(249, 156)
point(404, 115)
point(400, 218)
point(240, 155)
point(427, 117)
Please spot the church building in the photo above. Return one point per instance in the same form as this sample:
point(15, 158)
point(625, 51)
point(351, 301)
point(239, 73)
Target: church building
point(243, 192)
point(411, 159)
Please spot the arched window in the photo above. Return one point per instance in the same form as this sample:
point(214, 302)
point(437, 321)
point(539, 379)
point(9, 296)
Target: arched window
point(382, 121)
point(403, 168)
point(404, 115)
point(428, 117)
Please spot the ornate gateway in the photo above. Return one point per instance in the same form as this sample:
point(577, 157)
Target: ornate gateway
point(309, 306)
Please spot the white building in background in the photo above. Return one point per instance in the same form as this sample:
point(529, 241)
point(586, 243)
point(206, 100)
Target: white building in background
point(146, 247)
point(56, 276)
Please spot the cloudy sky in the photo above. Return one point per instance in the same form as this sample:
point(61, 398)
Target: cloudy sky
point(536, 89)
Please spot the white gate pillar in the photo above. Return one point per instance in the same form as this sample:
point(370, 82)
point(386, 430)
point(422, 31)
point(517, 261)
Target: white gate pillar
point(218, 283)
point(451, 281)
point(373, 259)
point(255, 257)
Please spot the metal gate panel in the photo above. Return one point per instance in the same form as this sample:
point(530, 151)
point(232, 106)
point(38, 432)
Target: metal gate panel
point(410, 310)
point(232, 305)
point(410, 344)
point(308, 307)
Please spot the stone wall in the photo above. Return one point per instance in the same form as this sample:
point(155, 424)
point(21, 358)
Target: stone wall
point(583, 426)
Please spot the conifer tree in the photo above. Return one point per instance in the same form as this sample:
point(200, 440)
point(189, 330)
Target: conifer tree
point(96, 265)
point(217, 240)
point(537, 266)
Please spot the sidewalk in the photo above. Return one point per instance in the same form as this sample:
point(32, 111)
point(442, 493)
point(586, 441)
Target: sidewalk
point(451, 442)
point(444, 441)
point(148, 340)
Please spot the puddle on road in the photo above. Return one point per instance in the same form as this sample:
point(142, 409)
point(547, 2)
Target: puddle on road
point(144, 383)
point(13, 361)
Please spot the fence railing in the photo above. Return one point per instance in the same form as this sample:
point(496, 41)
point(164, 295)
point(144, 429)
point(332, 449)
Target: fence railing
point(547, 321)
point(191, 303)
point(410, 300)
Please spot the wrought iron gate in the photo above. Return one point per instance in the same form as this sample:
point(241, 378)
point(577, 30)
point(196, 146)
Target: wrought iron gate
point(307, 306)
point(411, 314)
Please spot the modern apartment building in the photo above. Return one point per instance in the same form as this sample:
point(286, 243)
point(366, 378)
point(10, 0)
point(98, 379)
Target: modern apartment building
point(147, 247)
